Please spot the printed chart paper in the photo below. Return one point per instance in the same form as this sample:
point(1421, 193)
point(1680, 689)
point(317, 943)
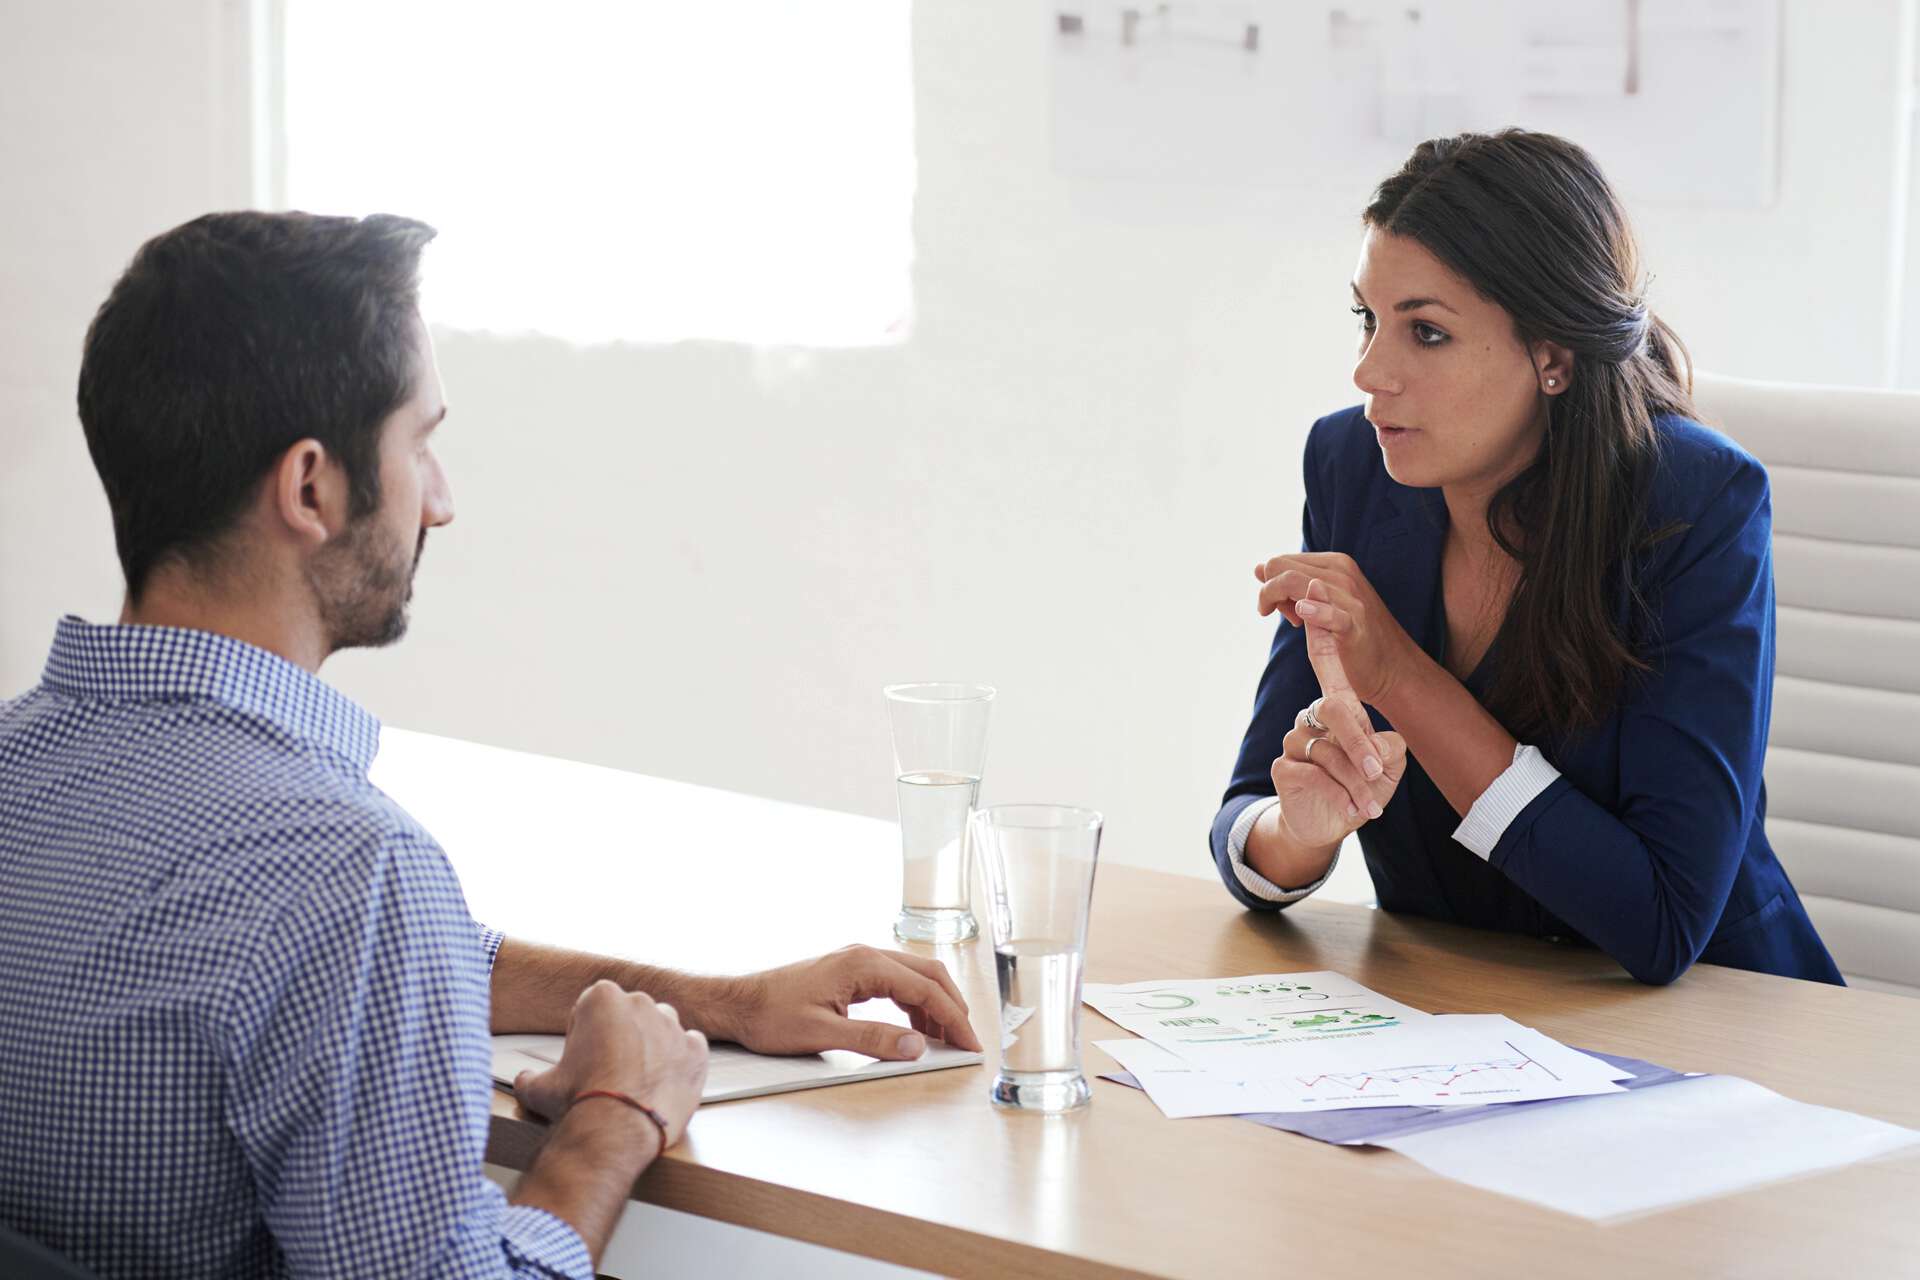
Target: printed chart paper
point(1361, 1126)
point(1321, 1042)
point(1270, 1008)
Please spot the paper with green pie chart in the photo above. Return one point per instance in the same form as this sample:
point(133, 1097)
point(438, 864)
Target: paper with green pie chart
point(1320, 1041)
point(1265, 1008)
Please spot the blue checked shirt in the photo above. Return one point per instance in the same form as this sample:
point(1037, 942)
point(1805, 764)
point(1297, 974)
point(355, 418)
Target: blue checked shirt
point(243, 1010)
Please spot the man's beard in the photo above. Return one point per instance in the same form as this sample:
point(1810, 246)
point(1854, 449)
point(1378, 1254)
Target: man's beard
point(363, 589)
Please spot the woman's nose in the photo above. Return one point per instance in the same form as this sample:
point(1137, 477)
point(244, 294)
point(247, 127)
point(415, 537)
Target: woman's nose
point(1371, 372)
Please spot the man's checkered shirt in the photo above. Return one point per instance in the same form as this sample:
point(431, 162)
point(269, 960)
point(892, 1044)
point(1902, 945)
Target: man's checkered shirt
point(243, 1011)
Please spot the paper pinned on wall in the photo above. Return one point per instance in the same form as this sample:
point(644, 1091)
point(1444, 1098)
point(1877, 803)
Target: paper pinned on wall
point(1678, 99)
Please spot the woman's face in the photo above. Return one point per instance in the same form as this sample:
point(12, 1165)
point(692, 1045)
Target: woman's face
point(1456, 400)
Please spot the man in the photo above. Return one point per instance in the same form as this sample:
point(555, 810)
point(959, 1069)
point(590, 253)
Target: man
point(243, 1008)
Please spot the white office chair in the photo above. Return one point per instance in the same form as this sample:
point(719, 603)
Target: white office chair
point(1843, 766)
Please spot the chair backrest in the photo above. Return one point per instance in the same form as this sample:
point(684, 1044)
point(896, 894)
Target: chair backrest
point(24, 1258)
point(1843, 765)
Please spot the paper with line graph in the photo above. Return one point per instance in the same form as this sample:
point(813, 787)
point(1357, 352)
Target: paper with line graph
point(1321, 1042)
point(1484, 1059)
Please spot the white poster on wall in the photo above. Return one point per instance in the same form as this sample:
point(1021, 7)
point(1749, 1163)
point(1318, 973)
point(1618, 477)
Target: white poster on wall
point(1678, 99)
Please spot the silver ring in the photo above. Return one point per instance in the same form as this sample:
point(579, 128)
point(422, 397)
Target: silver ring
point(1313, 721)
point(1311, 744)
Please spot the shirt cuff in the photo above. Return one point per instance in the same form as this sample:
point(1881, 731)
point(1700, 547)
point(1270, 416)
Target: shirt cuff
point(490, 940)
point(1526, 777)
point(538, 1243)
point(1252, 881)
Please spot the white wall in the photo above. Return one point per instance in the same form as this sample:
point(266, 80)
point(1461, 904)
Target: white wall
point(117, 119)
point(702, 561)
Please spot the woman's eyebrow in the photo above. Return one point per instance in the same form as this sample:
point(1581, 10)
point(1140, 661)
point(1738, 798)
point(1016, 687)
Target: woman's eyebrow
point(1408, 304)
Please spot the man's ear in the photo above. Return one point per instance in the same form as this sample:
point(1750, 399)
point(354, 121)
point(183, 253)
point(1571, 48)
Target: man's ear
point(309, 493)
point(1552, 367)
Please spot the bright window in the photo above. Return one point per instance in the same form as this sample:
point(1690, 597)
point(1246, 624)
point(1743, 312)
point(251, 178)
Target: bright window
point(649, 171)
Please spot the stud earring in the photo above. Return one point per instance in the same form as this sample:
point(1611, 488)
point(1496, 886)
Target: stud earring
point(1553, 382)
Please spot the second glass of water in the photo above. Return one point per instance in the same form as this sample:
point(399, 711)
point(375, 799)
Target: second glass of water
point(939, 753)
point(1039, 861)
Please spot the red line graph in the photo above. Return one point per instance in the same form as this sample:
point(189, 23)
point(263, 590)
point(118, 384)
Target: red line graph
point(1439, 1075)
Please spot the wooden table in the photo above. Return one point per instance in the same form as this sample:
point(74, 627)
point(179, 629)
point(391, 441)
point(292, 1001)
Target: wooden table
point(921, 1171)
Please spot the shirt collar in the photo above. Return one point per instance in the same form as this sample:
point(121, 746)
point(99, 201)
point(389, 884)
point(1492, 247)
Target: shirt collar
point(129, 663)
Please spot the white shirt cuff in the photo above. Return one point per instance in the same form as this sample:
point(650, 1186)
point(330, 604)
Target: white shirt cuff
point(1501, 803)
point(1252, 881)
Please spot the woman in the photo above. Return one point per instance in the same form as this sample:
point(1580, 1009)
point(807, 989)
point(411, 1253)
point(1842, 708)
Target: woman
point(1534, 607)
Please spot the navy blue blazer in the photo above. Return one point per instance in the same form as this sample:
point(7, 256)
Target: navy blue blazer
point(1652, 844)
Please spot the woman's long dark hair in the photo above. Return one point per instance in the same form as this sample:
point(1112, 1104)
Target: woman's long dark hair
point(1529, 220)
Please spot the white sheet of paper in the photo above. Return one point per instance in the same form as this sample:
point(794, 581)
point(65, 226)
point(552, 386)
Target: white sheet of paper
point(1012, 1018)
point(1319, 1041)
point(1270, 1008)
point(1180, 1089)
point(733, 1072)
point(1649, 1149)
point(1446, 1061)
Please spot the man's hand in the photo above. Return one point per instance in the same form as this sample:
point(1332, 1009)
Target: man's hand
point(623, 1041)
point(802, 1008)
point(626, 1042)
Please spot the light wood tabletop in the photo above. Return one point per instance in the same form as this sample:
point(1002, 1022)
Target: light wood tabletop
point(921, 1171)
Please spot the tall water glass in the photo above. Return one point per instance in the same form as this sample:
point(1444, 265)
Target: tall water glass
point(939, 752)
point(1039, 862)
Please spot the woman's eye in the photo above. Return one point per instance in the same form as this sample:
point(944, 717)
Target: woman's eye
point(1426, 335)
point(1366, 318)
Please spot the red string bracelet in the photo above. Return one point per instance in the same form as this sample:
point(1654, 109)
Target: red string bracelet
point(659, 1121)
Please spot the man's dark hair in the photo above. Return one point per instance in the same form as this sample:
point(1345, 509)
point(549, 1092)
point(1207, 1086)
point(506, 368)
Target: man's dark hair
point(228, 340)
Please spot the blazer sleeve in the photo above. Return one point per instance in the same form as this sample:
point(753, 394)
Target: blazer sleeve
point(1286, 685)
point(1646, 880)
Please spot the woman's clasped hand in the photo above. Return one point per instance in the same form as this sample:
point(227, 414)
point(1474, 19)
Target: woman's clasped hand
point(1335, 772)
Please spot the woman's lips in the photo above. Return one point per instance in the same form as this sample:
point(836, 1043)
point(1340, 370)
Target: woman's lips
point(1387, 434)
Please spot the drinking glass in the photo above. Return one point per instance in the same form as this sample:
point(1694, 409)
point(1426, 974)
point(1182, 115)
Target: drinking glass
point(939, 752)
point(1039, 861)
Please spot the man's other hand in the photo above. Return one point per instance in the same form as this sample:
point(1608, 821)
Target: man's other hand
point(626, 1042)
point(802, 1008)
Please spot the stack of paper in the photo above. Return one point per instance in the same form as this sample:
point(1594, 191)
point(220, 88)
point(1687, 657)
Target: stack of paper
point(1693, 1138)
point(1319, 1055)
point(1321, 1042)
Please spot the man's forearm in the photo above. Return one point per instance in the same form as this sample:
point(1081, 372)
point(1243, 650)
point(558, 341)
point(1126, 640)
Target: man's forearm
point(535, 985)
point(585, 1172)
